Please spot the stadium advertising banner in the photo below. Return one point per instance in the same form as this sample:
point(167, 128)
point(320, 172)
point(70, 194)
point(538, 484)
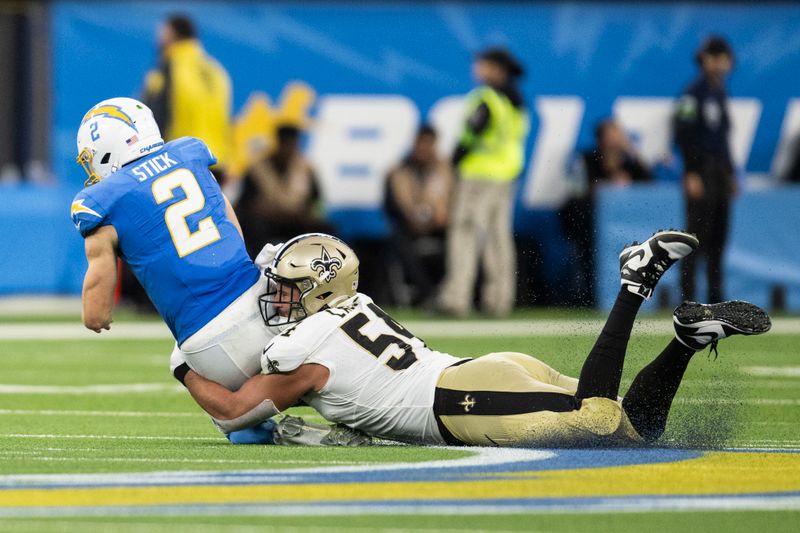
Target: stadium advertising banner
point(363, 77)
point(375, 71)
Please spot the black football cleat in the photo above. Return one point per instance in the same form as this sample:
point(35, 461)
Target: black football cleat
point(700, 325)
point(641, 265)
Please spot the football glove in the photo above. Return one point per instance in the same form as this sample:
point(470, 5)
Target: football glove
point(293, 430)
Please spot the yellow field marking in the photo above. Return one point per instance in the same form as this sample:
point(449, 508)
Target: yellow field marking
point(714, 473)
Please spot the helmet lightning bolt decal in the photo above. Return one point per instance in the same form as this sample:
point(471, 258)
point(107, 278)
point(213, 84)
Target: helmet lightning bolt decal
point(110, 111)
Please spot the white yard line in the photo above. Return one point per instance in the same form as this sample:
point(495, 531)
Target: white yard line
point(112, 389)
point(108, 437)
point(422, 328)
point(146, 526)
point(756, 502)
point(36, 304)
point(480, 457)
point(310, 417)
point(56, 412)
point(773, 371)
point(36, 457)
point(62, 331)
point(752, 382)
point(738, 401)
point(770, 441)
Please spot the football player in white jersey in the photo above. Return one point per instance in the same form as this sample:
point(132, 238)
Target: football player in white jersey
point(357, 366)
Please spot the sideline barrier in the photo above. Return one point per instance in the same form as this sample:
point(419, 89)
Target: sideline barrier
point(41, 253)
point(763, 252)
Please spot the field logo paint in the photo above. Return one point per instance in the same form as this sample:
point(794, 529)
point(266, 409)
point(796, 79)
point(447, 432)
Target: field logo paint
point(492, 480)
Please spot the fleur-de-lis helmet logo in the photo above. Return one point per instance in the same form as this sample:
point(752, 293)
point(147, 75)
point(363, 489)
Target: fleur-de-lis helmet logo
point(326, 266)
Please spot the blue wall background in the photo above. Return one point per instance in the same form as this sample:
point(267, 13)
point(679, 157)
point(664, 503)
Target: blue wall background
point(422, 51)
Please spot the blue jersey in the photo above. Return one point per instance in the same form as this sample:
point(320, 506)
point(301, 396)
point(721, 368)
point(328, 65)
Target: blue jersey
point(169, 214)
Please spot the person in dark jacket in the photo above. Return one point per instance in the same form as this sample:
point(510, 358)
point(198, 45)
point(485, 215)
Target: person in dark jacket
point(280, 195)
point(702, 124)
point(613, 161)
point(417, 204)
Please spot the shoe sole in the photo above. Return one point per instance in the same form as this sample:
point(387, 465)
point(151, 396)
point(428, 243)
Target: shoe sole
point(676, 233)
point(679, 237)
point(743, 318)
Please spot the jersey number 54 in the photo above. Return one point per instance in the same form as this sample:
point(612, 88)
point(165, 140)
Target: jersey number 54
point(378, 345)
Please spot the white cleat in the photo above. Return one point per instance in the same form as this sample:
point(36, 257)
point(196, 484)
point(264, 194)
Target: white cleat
point(700, 325)
point(641, 265)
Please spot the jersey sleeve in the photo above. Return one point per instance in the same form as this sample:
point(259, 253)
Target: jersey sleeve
point(195, 149)
point(87, 214)
point(295, 345)
point(282, 355)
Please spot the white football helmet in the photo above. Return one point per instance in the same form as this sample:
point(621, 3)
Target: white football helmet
point(115, 132)
point(309, 273)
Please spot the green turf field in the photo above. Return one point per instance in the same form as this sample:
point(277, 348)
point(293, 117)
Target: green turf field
point(86, 406)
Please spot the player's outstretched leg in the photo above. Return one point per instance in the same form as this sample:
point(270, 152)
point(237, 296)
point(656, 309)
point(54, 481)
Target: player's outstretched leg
point(641, 266)
point(696, 326)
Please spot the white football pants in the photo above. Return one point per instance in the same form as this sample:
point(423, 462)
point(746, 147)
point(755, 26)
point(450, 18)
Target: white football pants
point(228, 349)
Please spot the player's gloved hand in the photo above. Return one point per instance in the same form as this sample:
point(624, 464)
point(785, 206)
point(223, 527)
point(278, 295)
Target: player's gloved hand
point(293, 430)
point(266, 255)
point(263, 433)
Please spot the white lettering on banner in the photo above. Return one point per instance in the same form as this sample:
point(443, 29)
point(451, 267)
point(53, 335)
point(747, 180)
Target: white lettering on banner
point(356, 140)
point(559, 123)
point(789, 139)
point(745, 114)
point(447, 117)
point(648, 122)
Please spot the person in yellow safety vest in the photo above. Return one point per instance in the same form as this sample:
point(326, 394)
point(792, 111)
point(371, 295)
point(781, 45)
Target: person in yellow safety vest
point(489, 157)
point(190, 92)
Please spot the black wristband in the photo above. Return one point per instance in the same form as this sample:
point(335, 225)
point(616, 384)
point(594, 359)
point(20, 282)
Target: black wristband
point(180, 373)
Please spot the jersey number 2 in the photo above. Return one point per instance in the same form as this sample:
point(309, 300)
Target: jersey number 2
point(185, 240)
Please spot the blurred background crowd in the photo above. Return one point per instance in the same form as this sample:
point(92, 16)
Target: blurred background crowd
point(477, 157)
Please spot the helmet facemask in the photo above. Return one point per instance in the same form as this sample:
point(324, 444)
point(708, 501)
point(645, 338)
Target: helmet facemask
point(321, 268)
point(85, 159)
point(282, 304)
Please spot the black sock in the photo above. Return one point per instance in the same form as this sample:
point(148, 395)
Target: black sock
point(650, 396)
point(602, 370)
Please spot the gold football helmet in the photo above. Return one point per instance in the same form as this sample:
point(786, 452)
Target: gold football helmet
point(309, 273)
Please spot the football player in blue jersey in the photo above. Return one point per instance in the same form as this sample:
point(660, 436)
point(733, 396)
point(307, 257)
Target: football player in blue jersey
point(157, 206)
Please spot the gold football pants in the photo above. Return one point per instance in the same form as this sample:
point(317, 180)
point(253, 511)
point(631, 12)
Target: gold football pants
point(513, 399)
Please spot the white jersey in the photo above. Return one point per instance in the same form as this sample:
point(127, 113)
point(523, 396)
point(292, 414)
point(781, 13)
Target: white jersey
point(382, 378)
